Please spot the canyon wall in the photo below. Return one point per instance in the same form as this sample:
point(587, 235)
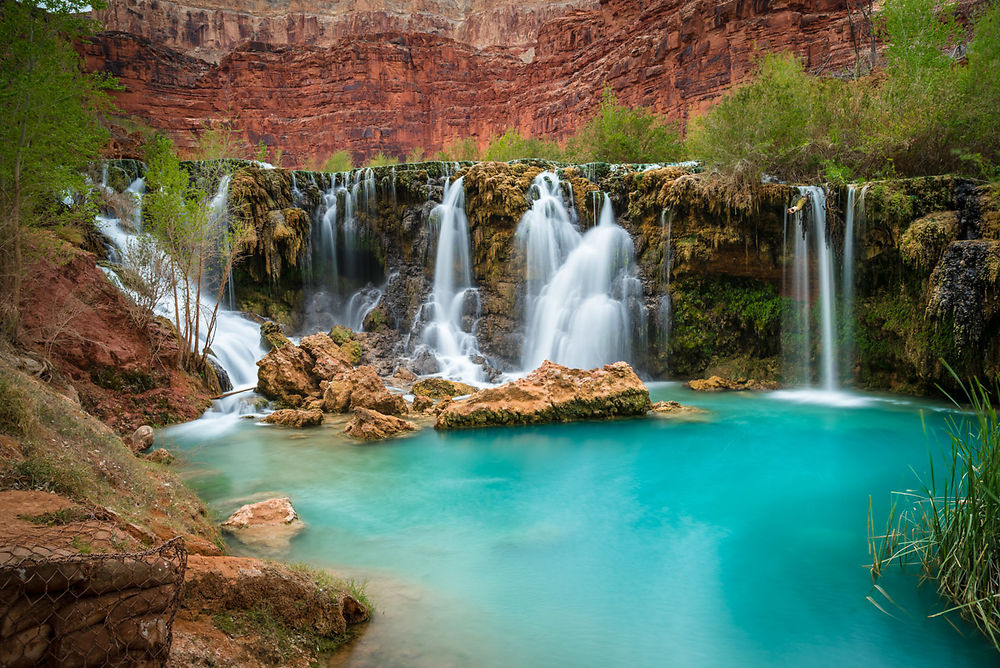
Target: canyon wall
point(369, 77)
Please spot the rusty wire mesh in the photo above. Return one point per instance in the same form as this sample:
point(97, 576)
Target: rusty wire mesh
point(114, 609)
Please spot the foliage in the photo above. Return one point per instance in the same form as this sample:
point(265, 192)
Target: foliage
point(622, 134)
point(416, 154)
point(197, 245)
point(219, 140)
point(512, 145)
point(144, 270)
point(950, 526)
point(463, 148)
point(50, 127)
point(380, 159)
point(923, 113)
point(339, 161)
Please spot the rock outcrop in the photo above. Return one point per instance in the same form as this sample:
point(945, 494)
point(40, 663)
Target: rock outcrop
point(370, 425)
point(142, 439)
point(673, 409)
point(361, 388)
point(291, 417)
point(552, 393)
point(292, 374)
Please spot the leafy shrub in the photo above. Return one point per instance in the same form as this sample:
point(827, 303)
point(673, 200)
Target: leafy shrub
point(380, 159)
point(621, 134)
point(464, 148)
point(512, 145)
point(340, 161)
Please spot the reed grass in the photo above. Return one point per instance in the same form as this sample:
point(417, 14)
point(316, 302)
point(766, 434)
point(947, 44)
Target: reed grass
point(950, 527)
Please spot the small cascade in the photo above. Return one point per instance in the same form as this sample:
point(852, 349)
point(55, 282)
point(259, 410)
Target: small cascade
point(665, 306)
point(546, 234)
point(453, 305)
point(814, 291)
point(236, 344)
point(586, 313)
point(218, 217)
point(854, 217)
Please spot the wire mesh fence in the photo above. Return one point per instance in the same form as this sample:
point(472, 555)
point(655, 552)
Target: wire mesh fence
point(114, 609)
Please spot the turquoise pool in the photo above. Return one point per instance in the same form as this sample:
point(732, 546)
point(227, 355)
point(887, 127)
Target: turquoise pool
point(738, 539)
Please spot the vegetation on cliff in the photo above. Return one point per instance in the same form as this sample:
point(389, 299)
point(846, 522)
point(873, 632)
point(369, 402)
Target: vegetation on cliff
point(923, 112)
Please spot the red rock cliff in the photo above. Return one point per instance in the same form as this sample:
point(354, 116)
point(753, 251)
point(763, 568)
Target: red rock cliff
point(368, 91)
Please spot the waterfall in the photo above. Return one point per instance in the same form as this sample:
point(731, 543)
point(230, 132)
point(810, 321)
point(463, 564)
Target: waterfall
point(546, 234)
point(236, 345)
point(854, 216)
point(454, 301)
point(835, 328)
point(584, 315)
point(665, 310)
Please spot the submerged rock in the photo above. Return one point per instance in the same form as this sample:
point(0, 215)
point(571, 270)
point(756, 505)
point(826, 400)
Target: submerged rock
point(370, 425)
point(552, 393)
point(290, 417)
point(720, 384)
point(361, 388)
point(440, 388)
point(674, 409)
point(271, 523)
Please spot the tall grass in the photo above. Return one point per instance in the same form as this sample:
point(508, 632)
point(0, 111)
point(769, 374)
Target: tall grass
point(951, 527)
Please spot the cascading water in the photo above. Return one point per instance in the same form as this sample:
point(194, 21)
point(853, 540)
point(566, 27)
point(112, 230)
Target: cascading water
point(835, 321)
point(546, 234)
point(584, 315)
point(665, 306)
point(342, 290)
point(236, 344)
point(854, 217)
point(454, 300)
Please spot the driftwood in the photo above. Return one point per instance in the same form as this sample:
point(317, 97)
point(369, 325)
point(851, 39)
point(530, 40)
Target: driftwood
point(798, 205)
point(229, 394)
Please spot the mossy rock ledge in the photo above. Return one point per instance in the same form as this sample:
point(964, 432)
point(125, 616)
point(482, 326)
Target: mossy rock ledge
point(552, 393)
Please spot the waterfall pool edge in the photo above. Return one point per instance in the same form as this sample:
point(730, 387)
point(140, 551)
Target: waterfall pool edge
point(736, 539)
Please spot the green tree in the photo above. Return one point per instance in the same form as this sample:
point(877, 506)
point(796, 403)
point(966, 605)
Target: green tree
point(622, 134)
point(50, 126)
point(512, 145)
point(198, 242)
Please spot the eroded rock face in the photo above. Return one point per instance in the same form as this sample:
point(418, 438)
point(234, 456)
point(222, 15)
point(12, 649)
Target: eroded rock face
point(290, 417)
point(369, 425)
point(552, 393)
point(292, 374)
point(544, 76)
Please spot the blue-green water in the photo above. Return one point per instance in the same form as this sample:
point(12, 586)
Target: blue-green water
point(735, 540)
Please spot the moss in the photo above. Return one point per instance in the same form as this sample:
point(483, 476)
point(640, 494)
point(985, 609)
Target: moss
point(440, 388)
point(136, 381)
point(925, 239)
point(341, 334)
point(353, 351)
point(722, 317)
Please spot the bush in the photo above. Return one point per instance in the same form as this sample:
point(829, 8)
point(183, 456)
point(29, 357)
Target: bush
point(456, 150)
point(512, 145)
point(621, 134)
point(341, 161)
point(380, 159)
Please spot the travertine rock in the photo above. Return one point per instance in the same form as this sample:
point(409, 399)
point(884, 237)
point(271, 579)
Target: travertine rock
point(552, 393)
point(369, 425)
point(290, 417)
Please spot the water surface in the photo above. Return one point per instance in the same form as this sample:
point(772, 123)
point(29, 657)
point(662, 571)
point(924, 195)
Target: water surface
point(736, 539)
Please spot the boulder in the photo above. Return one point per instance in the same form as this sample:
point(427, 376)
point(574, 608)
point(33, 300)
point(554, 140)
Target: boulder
point(361, 388)
point(292, 374)
point(369, 425)
point(720, 384)
point(421, 404)
point(142, 439)
point(552, 393)
point(440, 388)
point(268, 524)
point(341, 334)
point(291, 417)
